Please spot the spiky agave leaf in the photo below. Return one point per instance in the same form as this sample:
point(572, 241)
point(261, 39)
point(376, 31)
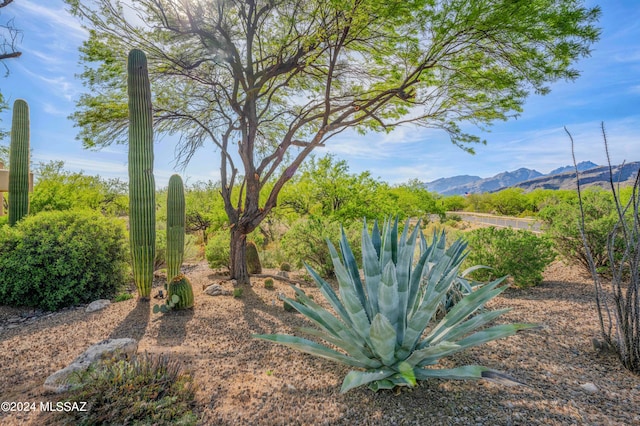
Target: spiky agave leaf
point(379, 324)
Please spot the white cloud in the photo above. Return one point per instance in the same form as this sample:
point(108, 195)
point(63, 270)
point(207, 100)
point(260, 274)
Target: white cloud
point(57, 17)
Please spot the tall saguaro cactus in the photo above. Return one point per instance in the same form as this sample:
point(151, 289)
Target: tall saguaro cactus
point(142, 199)
point(19, 162)
point(175, 226)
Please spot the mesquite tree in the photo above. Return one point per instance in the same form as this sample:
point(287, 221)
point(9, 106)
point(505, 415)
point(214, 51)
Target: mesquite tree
point(268, 81)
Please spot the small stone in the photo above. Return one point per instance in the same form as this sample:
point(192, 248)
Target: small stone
point(97, 305)
point(284, 274)
point(589, 387)
point(14, 319)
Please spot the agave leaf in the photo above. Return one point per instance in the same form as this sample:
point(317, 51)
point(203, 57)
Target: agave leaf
point(465, 307)
point(352, 268)
point(311, 347)
point(383, 338)
point(419, 321)
point(372, 271)
point(403, 275)
point(350, 299)
point(413, 298)
point(388, 295)
point(407, 373)
point(458, 373)
point(375, 238)
point(321, 317)
point(493, 333)
point(434, 352)
point(382, 384)
point(474, 323)
point(329, 295)
point(359, 378)
point(350, 346)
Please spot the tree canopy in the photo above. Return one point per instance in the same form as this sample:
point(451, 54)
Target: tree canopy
point(268, 81)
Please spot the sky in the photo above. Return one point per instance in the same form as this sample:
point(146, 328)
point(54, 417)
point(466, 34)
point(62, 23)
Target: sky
point(608, 91)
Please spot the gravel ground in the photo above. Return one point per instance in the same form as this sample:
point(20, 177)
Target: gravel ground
point(246, 381)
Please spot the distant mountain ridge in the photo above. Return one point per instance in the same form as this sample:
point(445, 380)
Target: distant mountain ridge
point(458, 185)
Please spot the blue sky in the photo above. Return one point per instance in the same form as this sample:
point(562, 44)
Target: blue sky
point(608, 90)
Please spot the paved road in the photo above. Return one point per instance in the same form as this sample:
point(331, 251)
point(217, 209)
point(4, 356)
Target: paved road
point(532, 225)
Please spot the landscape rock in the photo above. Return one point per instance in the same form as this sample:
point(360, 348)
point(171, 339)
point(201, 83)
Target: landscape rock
point(284, 274)
point(97, 305)
point(589, 387)
point(216, 290)
point(123, 348)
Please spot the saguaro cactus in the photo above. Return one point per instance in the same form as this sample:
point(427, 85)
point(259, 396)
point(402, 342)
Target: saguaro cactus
point(142, 199)
point(19, 161)
point(175, 226)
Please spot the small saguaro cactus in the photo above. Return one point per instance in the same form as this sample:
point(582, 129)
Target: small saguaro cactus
point(175, 226)
point(19, 160)
point(142, 203)
point(253, 260)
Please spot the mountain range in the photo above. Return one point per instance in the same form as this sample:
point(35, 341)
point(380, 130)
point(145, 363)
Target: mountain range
point(529, 179)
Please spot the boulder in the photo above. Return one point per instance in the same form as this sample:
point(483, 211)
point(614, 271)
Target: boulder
point(216, 290)
point(97, 305)
point(123, 348)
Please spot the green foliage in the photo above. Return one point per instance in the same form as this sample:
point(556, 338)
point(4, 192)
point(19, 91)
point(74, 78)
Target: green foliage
point(253, 259)
point(142, 204)
point(562, 225)
point(237, 292)
point(518, 253)
point(56, 189)
point(454, 203)
point(150, 389)
point(121, 297)
point(268, 284)
point(384, 328)
point(306, 241)
point(19, 159)
point(510, 202)
point(56, 259)
point(218, 249)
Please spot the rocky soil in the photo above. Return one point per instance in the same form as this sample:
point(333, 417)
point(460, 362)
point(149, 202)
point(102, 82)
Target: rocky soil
point(246, 381)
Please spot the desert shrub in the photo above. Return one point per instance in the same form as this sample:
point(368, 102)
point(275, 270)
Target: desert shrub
point(253, 259)
point(218, 249)
point(306, 241)
point(518, 253)
point(562, 225)
point(56, 259)
point(4, 220)
point(144, 391)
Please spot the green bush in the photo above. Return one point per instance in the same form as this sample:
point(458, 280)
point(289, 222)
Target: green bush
point(562, 225)
point(148, 390)
point(56, 259)
point(218, 249)
point(518, 253)
point(306, 241)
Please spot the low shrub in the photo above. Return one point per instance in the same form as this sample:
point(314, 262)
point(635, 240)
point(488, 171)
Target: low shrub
point(218, 249)
point(56, 259)
point(306, 241)
point(146, 390)
point(518, 253)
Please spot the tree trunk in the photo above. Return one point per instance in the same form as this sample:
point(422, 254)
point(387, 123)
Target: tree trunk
point(238, 257)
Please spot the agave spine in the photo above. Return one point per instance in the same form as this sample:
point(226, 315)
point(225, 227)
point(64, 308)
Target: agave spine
point(175, 226)
point(19, 161)
point(142, 201)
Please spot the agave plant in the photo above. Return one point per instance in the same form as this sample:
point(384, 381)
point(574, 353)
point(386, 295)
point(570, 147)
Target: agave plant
point(385, 327)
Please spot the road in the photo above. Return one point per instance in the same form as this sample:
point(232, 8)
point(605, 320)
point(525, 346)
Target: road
point(484, 219)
